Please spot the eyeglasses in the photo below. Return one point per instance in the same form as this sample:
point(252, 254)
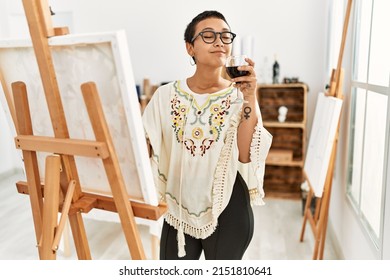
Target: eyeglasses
point(210, 37)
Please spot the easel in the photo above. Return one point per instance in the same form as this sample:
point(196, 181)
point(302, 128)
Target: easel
point(61, 191)
point(319, 220)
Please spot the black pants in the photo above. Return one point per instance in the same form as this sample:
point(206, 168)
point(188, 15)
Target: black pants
point(230, 239)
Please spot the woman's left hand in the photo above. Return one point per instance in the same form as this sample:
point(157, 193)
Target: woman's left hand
point(247, 84)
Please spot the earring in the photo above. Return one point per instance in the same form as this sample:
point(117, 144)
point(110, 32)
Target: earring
point(192, 60)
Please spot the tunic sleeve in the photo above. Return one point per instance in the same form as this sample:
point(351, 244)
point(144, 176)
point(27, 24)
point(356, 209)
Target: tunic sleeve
point(153, 130)
point(260, 145)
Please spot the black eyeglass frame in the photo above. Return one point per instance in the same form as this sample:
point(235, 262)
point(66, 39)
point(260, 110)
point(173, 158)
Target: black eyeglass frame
point(215, 36)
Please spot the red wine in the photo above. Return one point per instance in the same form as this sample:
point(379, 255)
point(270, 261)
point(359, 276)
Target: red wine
point(233, 72)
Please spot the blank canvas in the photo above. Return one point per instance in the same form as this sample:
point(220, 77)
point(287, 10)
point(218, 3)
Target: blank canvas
point(322, 135)
point(102, 58)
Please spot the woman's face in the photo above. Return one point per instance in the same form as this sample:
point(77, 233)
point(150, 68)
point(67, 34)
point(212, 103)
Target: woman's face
point(213, 54)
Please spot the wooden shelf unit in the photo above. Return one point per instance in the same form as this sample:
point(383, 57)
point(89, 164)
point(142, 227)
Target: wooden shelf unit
point(283, 174)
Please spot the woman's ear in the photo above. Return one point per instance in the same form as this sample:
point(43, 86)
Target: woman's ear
point(190, 49)
point(191, 52)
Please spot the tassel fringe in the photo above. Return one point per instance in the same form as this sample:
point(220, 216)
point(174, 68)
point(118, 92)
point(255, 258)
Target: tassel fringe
point(202, 233)
point(181, 242)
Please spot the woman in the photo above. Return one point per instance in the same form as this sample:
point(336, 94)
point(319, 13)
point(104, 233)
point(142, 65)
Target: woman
point(198, 135)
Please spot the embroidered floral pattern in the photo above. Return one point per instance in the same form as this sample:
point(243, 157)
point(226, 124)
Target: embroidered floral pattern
point(190, 146)
point(205, 123)
point(179, 113)
point(197, 133)
point(218, 112)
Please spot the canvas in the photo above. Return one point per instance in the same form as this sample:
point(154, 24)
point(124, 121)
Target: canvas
point(102, 58)
point(322, 135)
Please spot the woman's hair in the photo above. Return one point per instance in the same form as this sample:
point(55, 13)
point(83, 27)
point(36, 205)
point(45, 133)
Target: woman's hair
point(189, 33)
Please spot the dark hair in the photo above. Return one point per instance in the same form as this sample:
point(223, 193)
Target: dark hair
point(189, 33)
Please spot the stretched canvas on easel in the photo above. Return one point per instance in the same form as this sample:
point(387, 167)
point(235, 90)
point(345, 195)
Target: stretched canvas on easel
point(102, 58)
point(322, 135)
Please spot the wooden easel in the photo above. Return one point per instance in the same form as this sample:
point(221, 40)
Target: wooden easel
point(319, 220)
point(61, 191)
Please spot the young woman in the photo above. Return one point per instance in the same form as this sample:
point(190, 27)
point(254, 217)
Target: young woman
point(198, 136)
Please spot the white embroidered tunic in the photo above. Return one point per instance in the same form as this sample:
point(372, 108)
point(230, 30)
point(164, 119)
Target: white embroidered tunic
point(195, 154)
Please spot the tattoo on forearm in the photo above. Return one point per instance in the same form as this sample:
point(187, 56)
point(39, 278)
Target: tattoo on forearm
point(247, 111)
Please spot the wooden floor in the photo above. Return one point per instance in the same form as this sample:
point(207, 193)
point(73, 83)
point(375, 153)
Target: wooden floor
point(276, 237)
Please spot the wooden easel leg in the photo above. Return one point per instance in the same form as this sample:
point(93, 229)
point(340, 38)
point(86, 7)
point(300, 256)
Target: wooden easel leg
point(79, 237)
point(322, 244)
point(322, 221)
point(317, 225)
point(322, 241)
point(30, 158)
point(326, 199)
point(317, 239)
point(315, 221)
point(113, 171)
point(50, 207)
point(76, 220)
point(305, 214)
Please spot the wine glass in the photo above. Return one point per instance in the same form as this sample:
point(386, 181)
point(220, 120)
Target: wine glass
point(232, 64)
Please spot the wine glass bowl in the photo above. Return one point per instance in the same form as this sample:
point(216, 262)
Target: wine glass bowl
point(232, 64)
